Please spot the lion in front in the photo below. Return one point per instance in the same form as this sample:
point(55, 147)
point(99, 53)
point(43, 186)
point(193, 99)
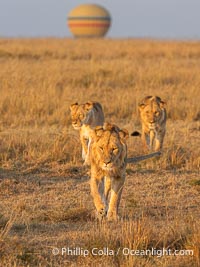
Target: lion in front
point(153, 118)
point(108, 153)
point(84, 118)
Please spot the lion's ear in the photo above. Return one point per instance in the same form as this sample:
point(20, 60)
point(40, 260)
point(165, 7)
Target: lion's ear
point(98, 131)
point(123, 134)
point(163, 104)
point(88, 106)
point(110, 127)
point(141, 106)
point(73, 106)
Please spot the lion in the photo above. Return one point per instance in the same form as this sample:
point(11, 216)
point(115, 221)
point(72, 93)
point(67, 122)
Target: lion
point(153, 117)
point(108, 154)
point(85, 117)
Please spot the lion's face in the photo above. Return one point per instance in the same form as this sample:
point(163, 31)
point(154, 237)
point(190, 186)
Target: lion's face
point(151, 111)
point(80, 114)
point(109, 147)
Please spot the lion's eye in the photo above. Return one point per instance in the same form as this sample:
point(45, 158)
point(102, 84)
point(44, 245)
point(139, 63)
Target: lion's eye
point(156, 113)
point(115, 149)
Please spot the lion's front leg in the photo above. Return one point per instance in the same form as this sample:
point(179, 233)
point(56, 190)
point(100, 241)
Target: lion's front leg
point(145, 140)
point(116, 191)
point(152, 137)
point(159, 141)
point(84, 143)
point(107, 188)
point(97, 191)
point(87, 156)
point(158, 144)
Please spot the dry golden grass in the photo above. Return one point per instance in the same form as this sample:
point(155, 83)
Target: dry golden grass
point(44, 189)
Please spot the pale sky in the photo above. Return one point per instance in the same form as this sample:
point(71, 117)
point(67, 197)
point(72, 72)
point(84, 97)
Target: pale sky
point(175, 19)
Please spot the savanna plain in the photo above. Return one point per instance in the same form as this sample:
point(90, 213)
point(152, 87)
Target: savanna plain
point(45, 200)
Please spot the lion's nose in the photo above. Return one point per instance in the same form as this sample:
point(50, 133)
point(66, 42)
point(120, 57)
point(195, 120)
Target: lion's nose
point(107, 161)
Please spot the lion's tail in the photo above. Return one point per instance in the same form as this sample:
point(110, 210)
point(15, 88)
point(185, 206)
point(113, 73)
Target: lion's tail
point(140, 158)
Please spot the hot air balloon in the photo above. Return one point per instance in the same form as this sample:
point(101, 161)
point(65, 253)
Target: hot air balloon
point(89, 20)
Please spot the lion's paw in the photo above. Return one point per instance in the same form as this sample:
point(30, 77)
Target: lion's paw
point(101, 214)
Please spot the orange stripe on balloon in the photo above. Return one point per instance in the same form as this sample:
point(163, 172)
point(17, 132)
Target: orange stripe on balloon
point(89, 24)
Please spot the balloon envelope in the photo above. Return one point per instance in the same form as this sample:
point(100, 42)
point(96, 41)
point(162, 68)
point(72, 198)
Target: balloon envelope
point(89, 20)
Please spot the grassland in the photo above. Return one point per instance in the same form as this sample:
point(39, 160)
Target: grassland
point(45, 197)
